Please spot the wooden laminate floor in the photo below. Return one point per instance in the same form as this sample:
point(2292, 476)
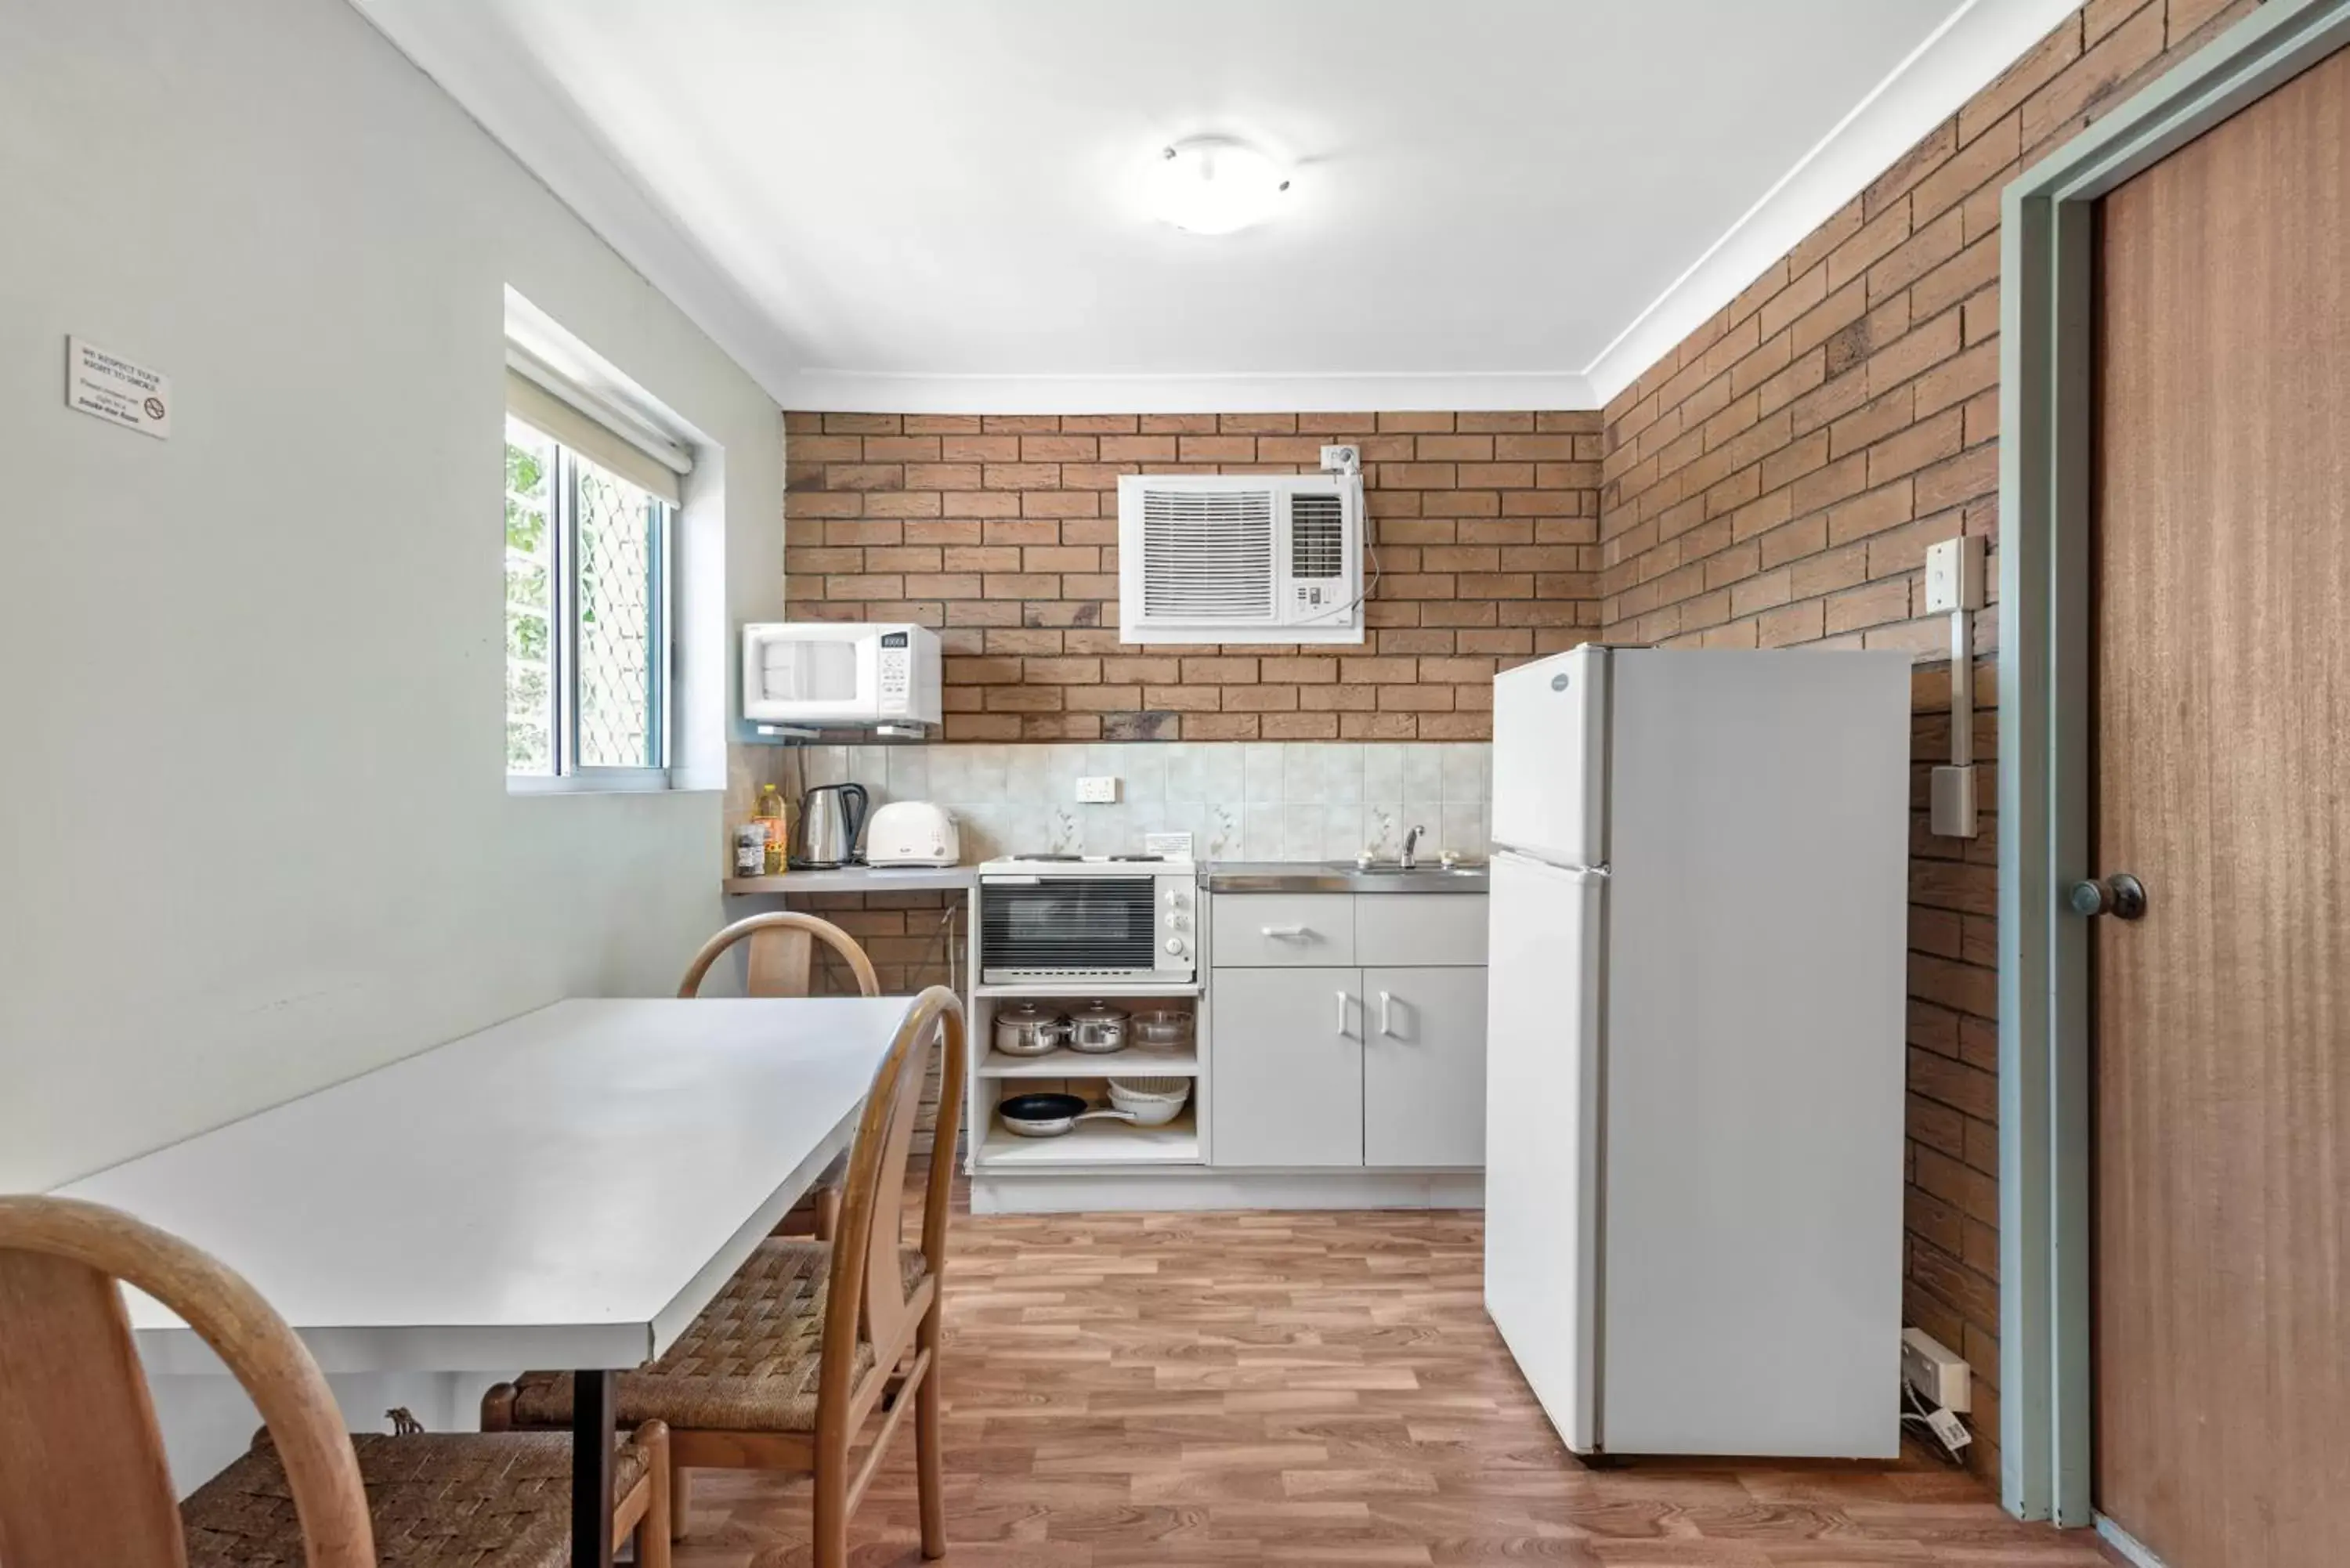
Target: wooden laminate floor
point(1307, 1389)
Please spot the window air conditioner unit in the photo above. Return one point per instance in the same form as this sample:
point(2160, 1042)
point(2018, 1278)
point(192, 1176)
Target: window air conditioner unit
point(1240, 557)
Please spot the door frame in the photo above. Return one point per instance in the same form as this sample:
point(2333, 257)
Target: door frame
point(2047, 703)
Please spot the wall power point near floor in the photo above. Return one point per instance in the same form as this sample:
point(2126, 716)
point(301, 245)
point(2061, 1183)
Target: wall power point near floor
point(1935, 1372)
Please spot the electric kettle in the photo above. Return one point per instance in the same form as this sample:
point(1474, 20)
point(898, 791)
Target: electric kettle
point(831, 815)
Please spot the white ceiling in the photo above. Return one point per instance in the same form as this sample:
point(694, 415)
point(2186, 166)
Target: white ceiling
point(927, 204)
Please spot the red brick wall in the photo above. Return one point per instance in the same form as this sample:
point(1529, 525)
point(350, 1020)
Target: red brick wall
point(1775, 480)
point(1002, 531)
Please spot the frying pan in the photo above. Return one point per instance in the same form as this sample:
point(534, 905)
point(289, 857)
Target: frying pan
point(1050, 1116)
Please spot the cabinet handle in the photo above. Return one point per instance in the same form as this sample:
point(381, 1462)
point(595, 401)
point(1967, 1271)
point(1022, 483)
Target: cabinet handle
point(1342, 1016)
point(1386, 1003)
point(1285, 933)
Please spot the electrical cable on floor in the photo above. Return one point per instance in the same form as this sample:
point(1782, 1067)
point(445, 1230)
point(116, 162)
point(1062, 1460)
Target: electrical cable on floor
point(1920, 1416)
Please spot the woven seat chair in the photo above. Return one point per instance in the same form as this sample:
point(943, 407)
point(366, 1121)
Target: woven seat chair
point(786, 1367)
point(777, 960)
point(83, 1479)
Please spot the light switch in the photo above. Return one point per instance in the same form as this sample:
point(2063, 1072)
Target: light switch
point(1954, 575)
point(1098, 791)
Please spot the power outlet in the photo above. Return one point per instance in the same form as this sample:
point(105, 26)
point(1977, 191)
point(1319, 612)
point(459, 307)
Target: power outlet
point(1935, 1372)
point(1954, 575)
point(1098, 791)
point(1342, 459)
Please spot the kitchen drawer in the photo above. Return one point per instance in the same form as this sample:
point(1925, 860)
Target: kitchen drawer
point(1283, 930)
point(1420, 929)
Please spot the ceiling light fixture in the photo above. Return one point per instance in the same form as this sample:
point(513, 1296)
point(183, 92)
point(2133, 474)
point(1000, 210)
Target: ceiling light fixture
point(1212, 185)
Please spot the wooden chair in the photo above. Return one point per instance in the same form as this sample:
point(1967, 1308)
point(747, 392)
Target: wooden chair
point(82, 1473)
point(784, 1369)
point(781, 959)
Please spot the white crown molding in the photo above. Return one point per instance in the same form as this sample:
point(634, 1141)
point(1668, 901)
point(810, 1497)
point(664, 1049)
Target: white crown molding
point(505, 96)
point(1957, 59)
point(854, 391)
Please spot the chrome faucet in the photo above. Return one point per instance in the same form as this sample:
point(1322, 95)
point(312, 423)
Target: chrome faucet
point(1410, 855)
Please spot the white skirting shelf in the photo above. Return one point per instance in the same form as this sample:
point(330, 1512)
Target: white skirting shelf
point(1106, 1142)
point(1140, 1060)
point(1082, 991)
point(1047, 1189)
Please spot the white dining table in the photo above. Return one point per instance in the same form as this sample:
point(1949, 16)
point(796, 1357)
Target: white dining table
point(568, 1189)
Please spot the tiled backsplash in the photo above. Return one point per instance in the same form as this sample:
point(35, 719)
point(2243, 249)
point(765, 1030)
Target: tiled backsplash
point(1260, 800)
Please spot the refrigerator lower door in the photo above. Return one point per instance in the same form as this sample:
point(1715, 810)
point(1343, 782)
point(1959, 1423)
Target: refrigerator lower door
point(1550, 757)
point(1541, 1133)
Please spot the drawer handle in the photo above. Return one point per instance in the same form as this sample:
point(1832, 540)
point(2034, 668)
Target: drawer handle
point(1288, 933)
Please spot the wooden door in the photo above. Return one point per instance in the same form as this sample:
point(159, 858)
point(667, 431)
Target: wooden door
point(2221, 555)
point(1424, 1066)
point(1288, 1088)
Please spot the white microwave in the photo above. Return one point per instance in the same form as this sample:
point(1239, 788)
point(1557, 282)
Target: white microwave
point(840, 674)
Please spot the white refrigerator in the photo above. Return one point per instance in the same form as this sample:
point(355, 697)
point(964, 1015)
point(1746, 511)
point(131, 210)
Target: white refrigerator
point(1694, 1061)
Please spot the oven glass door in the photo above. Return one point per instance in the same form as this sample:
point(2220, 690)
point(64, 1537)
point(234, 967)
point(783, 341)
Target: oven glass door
point(1090, 924)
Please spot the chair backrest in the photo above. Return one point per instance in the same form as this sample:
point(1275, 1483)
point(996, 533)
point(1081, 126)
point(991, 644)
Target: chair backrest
point(779, 954)
point(82, 1472)
point(866, 1289)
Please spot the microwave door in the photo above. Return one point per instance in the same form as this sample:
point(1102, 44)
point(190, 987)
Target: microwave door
point(806, 677)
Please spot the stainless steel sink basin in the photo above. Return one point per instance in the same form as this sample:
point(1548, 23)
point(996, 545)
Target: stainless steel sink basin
point(1342, 877)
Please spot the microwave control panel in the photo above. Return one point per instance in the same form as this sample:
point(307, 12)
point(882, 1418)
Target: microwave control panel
point(896, 670)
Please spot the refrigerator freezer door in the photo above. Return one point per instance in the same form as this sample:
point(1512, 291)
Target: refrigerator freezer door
point(1541, 1131)
point(1550, 755)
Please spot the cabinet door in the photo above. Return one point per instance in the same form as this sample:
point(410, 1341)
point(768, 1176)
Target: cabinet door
point(1423, 1066)
point(1286, 1084)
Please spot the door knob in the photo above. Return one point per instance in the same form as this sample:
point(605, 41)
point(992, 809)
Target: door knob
point(2121, 896)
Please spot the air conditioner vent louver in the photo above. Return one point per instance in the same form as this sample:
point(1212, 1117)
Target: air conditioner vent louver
point(1208, 554)
point(1317, 536)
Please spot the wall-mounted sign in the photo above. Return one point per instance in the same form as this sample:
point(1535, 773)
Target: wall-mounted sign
point(108, 386)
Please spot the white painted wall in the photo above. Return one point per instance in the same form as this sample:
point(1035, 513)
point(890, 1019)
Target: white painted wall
point(257, 834)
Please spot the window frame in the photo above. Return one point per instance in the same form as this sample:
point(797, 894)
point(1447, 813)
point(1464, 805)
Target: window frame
point(571, 775)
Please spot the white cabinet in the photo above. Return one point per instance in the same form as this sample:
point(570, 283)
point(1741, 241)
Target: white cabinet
point(1326, 1065)
point(1301, 930)
point(1289, 1067)
point(1424, 1066)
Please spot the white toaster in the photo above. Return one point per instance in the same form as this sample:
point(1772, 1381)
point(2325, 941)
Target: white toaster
point(912, 833)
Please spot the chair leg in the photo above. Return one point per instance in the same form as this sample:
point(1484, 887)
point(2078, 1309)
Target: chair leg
point(680, 1499)
point(828, 1212)
point(830, 1506)
point(929, 1439)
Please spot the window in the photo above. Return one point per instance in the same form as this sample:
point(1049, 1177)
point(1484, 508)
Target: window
point(587, 623)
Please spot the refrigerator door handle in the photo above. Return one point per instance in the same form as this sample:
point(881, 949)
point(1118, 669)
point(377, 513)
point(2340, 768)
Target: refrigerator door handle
point(1599, 873)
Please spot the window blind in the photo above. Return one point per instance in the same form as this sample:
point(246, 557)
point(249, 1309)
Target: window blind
point(541, 400)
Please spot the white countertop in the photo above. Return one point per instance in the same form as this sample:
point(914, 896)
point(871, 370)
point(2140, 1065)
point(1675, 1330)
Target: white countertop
point(566, 1189)
point(858, 879)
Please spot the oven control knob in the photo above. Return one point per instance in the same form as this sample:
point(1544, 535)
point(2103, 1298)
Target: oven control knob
point(1178, 946)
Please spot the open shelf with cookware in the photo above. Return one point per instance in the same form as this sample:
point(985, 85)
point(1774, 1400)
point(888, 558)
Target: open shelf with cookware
point(1086, 1079)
